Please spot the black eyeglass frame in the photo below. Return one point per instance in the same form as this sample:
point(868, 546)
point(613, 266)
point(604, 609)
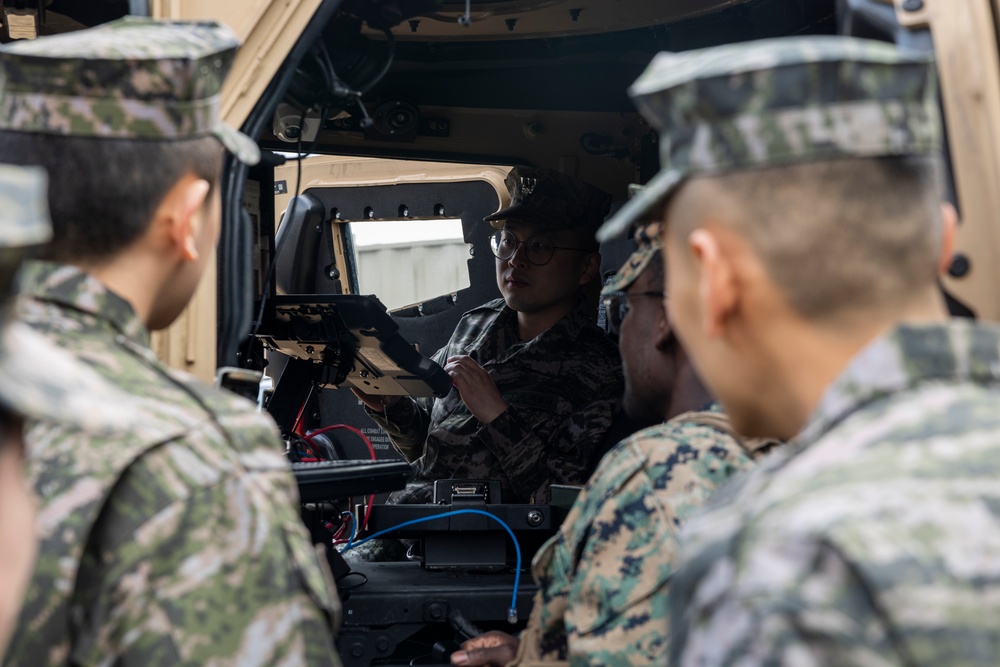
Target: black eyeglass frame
point(495, 246)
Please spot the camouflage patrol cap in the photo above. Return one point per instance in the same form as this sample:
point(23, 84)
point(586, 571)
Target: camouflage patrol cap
point(134, 78)
point(778, 102)
point(647, 239)
point(548, 199)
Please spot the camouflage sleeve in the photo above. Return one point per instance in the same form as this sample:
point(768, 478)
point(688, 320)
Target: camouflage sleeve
point(798, 602)
point(406, 424)
point(222, 574)
point(532, 462)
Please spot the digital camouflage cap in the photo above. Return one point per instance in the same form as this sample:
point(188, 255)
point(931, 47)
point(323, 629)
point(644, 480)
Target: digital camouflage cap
point(548, 199)
point(134, 78)
point(37, 379)
point(778, 102)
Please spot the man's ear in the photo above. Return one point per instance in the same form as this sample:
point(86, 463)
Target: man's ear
point(591, 267)
point(180, 210)
point(717, 291)
point(664, 336)
point(949, 227)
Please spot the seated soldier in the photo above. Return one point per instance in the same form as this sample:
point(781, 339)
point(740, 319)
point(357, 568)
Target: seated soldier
point(536, 381)
point(603, 578)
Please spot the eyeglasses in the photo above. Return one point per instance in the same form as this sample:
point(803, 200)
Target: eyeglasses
point(538, 249)
point(616, 306)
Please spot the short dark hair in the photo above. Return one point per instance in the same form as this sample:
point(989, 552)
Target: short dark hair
point(103, 192)
point(839, 235)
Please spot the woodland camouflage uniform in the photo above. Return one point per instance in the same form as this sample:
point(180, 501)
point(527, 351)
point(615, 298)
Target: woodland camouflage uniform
point(173, 539)
point(563, 387)
point(603, 578)
point(873, 538)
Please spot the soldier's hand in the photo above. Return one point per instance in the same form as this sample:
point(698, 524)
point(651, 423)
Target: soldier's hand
point(375, 402)
point(476, 387)
point(494, 648)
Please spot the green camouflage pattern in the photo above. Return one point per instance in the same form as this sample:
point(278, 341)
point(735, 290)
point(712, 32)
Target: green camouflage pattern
point(563, 388)
point(874, 539)
point(603, 578)
point(174, 539)
point(647, 240)
point(135, 78)
point(777, 102)
point(549, 199)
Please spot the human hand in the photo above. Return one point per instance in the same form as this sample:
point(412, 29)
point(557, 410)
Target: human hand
point(374, 401)
point(476, 387)
point(493, 649)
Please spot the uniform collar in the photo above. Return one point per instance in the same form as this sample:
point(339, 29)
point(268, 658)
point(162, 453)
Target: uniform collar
point(71, 287)
point(904, 358)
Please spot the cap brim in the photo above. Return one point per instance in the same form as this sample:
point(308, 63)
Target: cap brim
point(524, 214)
point(240, 145)
point(630, 270)
point(641, 205)
point(41, 381)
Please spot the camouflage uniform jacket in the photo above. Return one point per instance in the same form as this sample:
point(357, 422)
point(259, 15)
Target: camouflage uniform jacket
point(563, 389)
point(603, 577)
point(874, 538)
point(175, 540)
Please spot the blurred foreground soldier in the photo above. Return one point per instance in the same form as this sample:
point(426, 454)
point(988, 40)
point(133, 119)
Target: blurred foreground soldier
point(177, 542)
point(37, 381)
point(603, 578)
point(803, 243)
point(537, 382)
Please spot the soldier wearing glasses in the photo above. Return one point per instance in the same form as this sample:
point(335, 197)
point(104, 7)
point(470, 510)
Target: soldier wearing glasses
point(537, 383)
point(603, 578)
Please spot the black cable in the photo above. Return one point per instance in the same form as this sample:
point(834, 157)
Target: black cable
point(265, 292)
point(390, 41)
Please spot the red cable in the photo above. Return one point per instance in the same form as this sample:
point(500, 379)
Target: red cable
point(371, 450)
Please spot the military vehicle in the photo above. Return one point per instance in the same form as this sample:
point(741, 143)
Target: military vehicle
point(388, 127)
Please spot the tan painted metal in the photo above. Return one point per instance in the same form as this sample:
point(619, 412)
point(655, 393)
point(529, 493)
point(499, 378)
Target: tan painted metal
point(268, 29)
point(328, 171)
point(965, 42)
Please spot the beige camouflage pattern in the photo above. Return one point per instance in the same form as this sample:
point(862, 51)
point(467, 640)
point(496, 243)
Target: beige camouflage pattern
point(134, 78)
point(603, 578)
point(777, 102)
point(875, 538)
point(173, 538)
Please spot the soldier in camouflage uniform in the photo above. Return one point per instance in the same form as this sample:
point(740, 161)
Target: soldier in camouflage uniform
point(175, 539)
point(603, 577)
point(537, 382)
point(37, 381)
point(805, 237)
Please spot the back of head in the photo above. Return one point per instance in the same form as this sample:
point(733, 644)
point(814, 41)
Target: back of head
point(822, 152)
point(116, 114)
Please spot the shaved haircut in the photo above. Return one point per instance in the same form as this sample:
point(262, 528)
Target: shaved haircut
point(836, 236)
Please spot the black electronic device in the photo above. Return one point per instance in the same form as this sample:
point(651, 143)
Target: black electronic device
point(357, 343)
point(327, 481)
point(472, 540)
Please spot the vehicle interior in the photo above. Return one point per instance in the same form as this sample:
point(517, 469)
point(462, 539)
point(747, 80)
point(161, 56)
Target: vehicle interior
point(388, 128)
